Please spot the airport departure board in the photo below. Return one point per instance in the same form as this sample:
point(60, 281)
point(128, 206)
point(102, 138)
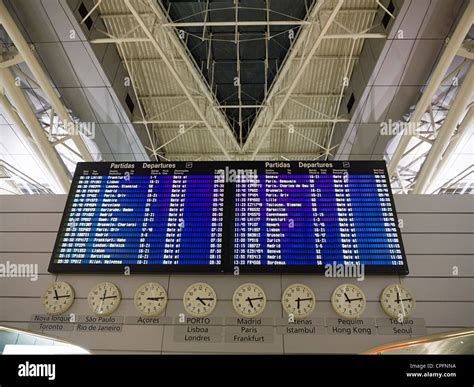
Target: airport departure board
point(142, 215)
point(302, 216)
point(264, 216)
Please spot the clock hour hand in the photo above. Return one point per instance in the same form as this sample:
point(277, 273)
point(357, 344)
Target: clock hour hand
point(249, 300)
point(201, 300)
point(347, 298)
point(56, 294)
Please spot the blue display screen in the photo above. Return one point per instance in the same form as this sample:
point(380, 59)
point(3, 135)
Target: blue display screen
point(220, 216)
point(317, 218)
point(142, 214)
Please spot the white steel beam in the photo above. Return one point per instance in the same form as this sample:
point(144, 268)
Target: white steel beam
point(239, 106)
point(465, 53)
point(350, 11)
point(311, 120)
point(40, 77)
point(169, 122)
point(242, 156)
point(363, 35)
point(30, 120)
point(240, 23)
point(436, 78)
point(13, 61)
point(178, 60)
point(197, 96)
point(118, 40)
point(301, 69)
point(25, 134)
point(463, 132)
point(91, 11)
point(458, 108)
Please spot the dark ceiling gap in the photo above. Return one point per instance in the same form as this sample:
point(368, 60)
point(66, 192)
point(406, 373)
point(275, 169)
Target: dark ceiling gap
point(222, 71)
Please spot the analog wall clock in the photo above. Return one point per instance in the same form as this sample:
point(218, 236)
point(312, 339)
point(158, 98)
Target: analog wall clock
point(348, 301)
point(58, 298)
point(104, 298)
point(298, 300)
point(249, 300)
point(199, 300)
point(397, 301)
point(150, 299)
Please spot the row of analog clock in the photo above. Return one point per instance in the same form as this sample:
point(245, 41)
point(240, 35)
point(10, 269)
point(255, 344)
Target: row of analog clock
point(249, 300)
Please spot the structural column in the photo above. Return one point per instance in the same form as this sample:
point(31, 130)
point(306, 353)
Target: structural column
point(457, 109)
point(29, 58)
point(30, 120)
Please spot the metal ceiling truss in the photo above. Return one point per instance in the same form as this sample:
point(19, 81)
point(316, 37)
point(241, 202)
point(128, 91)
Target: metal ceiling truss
point(451, 122)
point(15, 104)
point(167, 125)
point(316, 29)
point(179, 63)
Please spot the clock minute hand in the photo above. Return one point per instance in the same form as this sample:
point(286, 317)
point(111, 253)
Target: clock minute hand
point(356, 299)
point(154, 298)
point(105, 298)
point(406, 299)
point(65, 296)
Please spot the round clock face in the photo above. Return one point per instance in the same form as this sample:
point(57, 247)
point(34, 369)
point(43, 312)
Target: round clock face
point(199, 300)
point(398, 302)
point(104, 298)
point(298, 300)
point(150, 299)
point(249, 300)
point(348, 301)
point(58, 298)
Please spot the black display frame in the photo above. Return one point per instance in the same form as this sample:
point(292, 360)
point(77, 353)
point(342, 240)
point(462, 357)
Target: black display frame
point(320, 269)
point(227, 265)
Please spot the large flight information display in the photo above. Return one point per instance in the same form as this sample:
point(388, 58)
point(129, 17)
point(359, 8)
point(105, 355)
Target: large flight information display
point(302, 216)
point(142, 215)
point(264, 216)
